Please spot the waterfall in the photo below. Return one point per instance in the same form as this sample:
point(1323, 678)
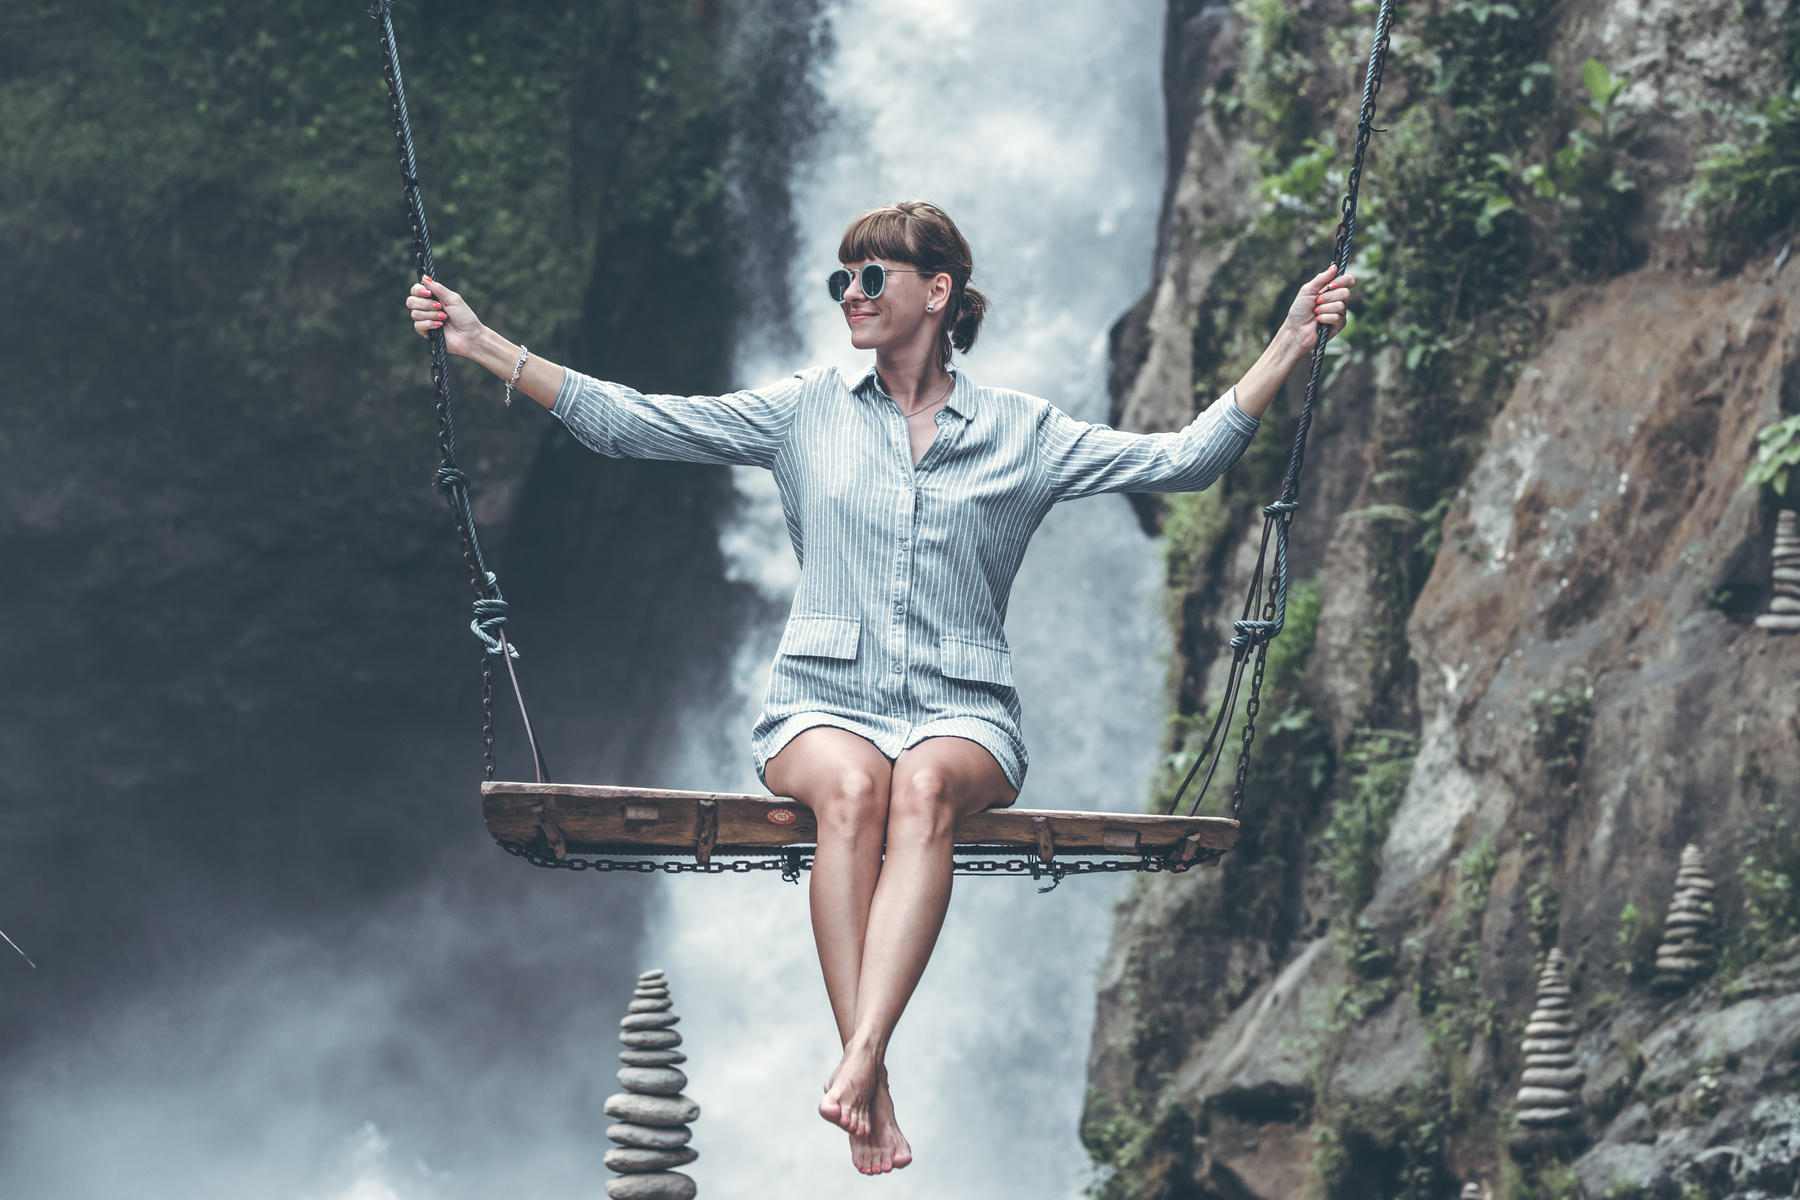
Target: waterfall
point(1039, 129)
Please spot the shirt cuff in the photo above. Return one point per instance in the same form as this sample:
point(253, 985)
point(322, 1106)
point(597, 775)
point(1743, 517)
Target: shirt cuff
point(1236, 417)
point(565, 395)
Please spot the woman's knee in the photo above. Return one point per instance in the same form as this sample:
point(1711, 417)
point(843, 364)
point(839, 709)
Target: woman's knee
point(924, 804)
point(855, 803)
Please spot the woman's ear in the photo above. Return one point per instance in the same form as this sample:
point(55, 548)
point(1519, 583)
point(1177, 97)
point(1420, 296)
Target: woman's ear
point(941, 287)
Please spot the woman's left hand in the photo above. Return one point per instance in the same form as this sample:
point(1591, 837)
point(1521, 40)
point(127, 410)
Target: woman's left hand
point(1321, 302)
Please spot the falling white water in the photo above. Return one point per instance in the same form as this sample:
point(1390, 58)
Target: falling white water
point(1038, 127)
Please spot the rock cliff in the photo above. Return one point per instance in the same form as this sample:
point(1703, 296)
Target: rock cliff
point(1527, 676)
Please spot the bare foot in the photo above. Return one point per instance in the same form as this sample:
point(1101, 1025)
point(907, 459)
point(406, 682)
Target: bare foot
point(886, 1148)
point(850, 1095)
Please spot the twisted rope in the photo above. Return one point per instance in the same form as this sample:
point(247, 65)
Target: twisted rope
point(1252, 635)
point(489, 606)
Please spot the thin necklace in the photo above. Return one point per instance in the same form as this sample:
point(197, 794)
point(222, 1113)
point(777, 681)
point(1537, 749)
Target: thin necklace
point(951, 382)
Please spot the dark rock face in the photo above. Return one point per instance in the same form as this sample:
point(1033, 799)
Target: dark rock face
point(241, 708)
point(1577, 668)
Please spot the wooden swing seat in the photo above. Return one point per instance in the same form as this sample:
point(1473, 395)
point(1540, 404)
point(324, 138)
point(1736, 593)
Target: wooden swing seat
point(574, 818)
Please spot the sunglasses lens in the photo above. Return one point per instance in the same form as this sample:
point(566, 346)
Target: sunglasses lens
point(874, 280)
point(837, 283)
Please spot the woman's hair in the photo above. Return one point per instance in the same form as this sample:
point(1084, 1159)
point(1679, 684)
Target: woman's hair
point(922, 234)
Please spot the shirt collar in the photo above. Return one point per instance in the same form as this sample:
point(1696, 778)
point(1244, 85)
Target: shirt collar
point(962, 392)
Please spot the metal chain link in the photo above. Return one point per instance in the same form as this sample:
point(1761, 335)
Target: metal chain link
point(791, 864)
point(1253, 636)
point(450, 479)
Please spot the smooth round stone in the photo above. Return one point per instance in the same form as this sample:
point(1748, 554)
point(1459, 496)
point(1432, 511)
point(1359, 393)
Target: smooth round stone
point(1787, 574)
point(650, 1137)
point(644, 1006)
point(652, 1081)
point(1784, 604)
point(650, 1020)
point(651, 1058)
point(652, 973)
point(1679, 966)
point(1545, 1097)
point(1546, 1029)
point(651, 993)
point(634, 1161)
point(650, 1039)
point(652, 1110)
point(1691, 904)
point(1549, 1060)
point(1550, 1012)
point(1553, 1077)
point(659, 1185)
point(1778, 621)
point(1547, 1045)
point(1559, 988)
point(1547, 1116)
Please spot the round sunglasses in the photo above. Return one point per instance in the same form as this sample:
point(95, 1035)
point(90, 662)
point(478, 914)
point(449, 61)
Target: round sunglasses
point(874, 280)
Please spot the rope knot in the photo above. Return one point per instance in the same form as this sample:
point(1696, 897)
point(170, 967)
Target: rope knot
point(449, 477)
point(1248, 634)
point(490, 616)
point(1281, 508)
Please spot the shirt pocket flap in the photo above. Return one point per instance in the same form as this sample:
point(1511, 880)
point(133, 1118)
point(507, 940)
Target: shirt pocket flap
point(817, 636)
point(981, 661)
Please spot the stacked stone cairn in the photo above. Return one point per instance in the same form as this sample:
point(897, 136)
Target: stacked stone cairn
point(652, 1133)
point(1686, 949)
point(1784, 609)
point(1550, 1109)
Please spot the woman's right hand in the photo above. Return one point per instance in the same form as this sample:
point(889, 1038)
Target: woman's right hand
point(431, 306)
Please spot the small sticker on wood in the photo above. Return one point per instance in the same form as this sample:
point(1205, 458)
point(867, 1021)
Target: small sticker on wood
point(781, 816)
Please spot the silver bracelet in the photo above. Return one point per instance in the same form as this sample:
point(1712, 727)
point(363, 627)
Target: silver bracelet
point(518, 369)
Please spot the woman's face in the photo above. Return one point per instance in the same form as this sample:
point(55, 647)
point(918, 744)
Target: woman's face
point(897, 316)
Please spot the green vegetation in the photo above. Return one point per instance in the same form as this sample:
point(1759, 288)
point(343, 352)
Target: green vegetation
point(1542, 919)
point(1395, 1147)
point(1133, 1152)
point(1637, 937)
point(1770, 874)
point(1777, 452)
point(1374, 770)
point(1558, 724)
point(1747, 188)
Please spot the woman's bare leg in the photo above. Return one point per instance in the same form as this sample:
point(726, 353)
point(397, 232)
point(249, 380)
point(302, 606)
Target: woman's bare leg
point(934, 784)
point(845, 781)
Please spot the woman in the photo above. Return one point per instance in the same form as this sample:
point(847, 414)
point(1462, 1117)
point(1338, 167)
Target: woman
point(910, 493)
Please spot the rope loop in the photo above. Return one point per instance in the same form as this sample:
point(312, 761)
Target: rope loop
point(490, 615)
point(1281, 508)
point(449, 477)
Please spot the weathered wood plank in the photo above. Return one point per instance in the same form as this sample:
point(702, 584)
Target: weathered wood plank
point(596, 818)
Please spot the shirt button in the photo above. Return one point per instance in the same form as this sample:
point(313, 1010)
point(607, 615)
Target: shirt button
point(896, 668)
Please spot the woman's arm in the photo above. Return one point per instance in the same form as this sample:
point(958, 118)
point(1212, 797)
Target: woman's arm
point(431, 306)
point(1321, 302)
point(745, 428)
point(1082, 460)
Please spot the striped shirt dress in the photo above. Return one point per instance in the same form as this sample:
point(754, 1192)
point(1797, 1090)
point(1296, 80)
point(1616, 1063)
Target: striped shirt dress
point(897, 632)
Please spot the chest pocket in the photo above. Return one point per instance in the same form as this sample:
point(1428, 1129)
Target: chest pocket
point(814, 635)
point(963, 658)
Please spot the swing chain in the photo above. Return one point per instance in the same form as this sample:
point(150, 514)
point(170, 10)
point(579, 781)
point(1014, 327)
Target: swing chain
point(490, 608)
point(1253, 636)
point(792, 863)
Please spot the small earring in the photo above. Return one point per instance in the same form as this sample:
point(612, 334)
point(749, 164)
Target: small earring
point(929, 307)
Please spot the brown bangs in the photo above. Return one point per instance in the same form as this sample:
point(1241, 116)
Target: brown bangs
point(880, 233)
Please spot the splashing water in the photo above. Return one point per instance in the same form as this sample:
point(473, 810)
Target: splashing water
point(1038, 128)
